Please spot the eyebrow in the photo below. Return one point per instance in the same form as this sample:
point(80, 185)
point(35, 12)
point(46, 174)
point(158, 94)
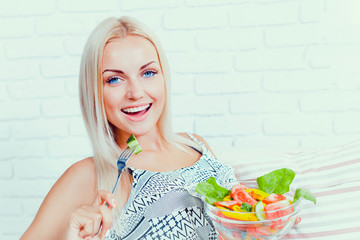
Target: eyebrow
point(119, 71)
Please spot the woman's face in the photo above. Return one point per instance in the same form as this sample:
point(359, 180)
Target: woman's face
point(134, 88)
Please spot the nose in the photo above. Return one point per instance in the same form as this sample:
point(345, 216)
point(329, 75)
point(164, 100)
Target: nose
point(135, 89)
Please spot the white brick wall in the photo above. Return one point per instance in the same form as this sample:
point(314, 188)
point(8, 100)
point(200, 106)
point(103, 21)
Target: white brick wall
point(246, 73)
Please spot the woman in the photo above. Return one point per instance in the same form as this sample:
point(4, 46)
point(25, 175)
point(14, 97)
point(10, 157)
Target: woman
point(124, 90)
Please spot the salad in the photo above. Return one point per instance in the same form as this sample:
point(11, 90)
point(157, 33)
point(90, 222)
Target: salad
point(266, 202)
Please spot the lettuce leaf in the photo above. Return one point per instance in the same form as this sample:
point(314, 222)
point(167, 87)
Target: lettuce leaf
point(277, 181)
point(304, 193)
point(212, 191)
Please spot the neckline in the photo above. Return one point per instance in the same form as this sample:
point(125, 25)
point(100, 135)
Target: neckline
point(136, 170)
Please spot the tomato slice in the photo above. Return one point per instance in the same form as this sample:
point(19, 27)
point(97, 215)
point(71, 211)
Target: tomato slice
point(274, 210)
point(274, 198)
point(239, 194)
point(227, 204)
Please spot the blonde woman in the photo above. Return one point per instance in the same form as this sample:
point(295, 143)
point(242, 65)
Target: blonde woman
point(124, 90)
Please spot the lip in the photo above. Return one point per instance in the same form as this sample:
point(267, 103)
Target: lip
point(138, 118)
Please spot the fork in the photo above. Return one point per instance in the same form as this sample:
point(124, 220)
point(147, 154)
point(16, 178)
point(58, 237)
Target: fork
point(121, 162)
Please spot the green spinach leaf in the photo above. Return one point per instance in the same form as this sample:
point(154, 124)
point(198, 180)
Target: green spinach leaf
point(212, 191)
point(277, 181)
point(304, 193)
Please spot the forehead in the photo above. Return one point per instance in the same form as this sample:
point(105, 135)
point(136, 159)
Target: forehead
point(131, 49)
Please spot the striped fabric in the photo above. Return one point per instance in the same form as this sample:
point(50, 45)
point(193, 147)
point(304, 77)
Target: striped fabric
point(332, 174)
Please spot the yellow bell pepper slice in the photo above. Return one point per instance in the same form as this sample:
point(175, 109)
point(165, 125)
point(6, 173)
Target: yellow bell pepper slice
point(258, 194)
point(227, 198)
point(239, 214)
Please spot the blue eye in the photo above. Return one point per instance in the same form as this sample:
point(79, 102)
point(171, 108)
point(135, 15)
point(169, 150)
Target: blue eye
point(149, 73)
point(113, 80)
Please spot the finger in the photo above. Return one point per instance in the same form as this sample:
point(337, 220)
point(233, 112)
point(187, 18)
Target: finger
point(107, 220)
point(93, 213)
point(86, 226)
point(105, 196)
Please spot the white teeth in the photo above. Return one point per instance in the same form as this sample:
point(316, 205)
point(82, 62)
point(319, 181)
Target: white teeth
point(136, 109)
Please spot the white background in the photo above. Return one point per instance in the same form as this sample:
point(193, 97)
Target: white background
point(252, 74)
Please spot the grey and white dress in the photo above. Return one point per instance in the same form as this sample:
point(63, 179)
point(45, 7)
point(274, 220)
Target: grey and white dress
point(161, 207)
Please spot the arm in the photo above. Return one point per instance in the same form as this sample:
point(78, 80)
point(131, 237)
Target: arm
point(75, 188)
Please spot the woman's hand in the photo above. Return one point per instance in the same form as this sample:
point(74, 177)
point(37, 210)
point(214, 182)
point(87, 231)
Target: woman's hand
point(87, 221)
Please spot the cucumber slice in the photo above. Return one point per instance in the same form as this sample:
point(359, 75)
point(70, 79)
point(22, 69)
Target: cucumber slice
point(259, 210)
point(133, 144)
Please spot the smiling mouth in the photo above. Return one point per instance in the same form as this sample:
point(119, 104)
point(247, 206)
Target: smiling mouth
point(137, 111)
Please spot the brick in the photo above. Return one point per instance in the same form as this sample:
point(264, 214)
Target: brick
point(77, 127)
point(4, 131)
point(297, 81)
point(230, 39)
point(319, 56)
point(312, 10)
point(263, 103)
point(63, 67)
point(182, 83)
point(10, 27)
point(200, 62)
point(330, 101)
point(18, 8)
point(60, 107)
point(297, 124)
point(270, 59)
point(327, 140)
point(31, 89)
point(183, 124)
point(64, 24)
point(266, 142)
point(347, 123)
point(14, 226)
point(39, 129)
point(72, 87)
point(189, 18)
point(31, 206)
point(153, 19)
point(34, 48)
point(26, 188)
point(6, 171)
point(155, 4)
point(202, 3)
point(19, 110)
point(182, 105)
point(25, 148)
point(15, 209)
point(298, 35)
point(3, 92)
point(19, 69)
point(197, 105)
point(233, 82)
point(74, 147)
point(74, 45)
point(40, 168)
point(87, 6)
point(6, 153)
point(177, 40)
point(220, 126)
point(342, 12)
point(264, 14)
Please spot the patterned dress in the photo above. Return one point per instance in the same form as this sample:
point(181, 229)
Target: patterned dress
point(160, 205)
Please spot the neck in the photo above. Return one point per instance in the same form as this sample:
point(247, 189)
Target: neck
point(151, 141)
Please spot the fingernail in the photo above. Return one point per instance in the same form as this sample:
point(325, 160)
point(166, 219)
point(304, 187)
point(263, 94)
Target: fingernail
point(113, 203)
point(107, 233)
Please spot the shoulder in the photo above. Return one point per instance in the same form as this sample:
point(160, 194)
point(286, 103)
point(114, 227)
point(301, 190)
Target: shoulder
point(76, 187)
point(198, 137)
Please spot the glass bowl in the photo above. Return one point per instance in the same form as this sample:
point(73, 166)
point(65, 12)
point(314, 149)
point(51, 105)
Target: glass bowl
point(231, 224)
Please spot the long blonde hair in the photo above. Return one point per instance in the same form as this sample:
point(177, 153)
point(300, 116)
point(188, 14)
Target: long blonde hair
point(105, 148)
